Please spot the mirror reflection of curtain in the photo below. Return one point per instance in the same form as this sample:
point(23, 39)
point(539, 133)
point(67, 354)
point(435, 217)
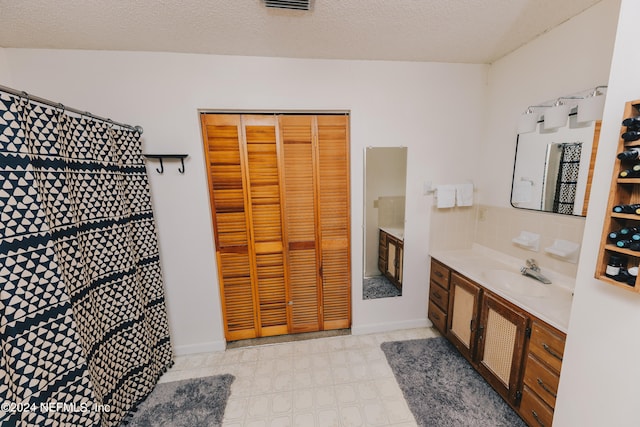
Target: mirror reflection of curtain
point(565, 192)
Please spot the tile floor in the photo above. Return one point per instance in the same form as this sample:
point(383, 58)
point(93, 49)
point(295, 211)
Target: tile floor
point(339, 381)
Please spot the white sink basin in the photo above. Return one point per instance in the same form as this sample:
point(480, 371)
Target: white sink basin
point(516, 283)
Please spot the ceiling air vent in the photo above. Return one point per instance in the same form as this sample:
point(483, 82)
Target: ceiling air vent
point(288, 4)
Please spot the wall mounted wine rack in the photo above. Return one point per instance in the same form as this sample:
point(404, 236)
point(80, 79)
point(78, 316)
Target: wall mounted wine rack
point(622, 218)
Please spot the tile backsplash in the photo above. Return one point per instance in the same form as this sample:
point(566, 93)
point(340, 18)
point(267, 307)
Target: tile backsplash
point(495, 227)
point(391, 211)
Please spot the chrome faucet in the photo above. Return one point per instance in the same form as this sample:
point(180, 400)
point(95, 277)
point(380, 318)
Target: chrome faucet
point(532, 270)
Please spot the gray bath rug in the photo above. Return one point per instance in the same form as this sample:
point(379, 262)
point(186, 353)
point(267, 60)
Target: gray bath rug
point(378, 287)
point(187, 403)
point(442, 389)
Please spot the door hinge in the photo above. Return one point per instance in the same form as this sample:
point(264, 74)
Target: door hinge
point(527, 332)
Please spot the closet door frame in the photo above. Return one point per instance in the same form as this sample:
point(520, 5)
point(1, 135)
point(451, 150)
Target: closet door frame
point(244, 163)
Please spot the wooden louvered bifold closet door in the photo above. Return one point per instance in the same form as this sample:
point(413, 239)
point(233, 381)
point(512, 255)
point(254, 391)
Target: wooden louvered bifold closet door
point(264, 196)
point(222, 136)
point(333, 197)
point(279, 189)
point(300, 222)
point(245, 195)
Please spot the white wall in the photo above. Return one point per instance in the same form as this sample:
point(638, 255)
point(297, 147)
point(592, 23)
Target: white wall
point(570, 58)
point(417, 105)
point(601, 373)
point(5, 77)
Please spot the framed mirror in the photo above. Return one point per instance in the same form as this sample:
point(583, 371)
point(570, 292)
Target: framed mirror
point(385, 175)
point(553, 168)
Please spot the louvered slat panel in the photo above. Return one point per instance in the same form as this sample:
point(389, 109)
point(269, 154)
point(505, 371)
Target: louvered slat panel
point(221, 135)
point(271, 289)
point(304, 290)
point(237, 291)
point(264, 191)
point(297, 152)
point(335, 288)
point(333, 185)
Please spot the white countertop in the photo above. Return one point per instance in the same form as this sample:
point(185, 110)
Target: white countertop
point(477, 264)
point(396, 232)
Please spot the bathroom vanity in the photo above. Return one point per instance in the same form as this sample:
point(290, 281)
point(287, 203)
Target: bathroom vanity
point(511, 328)
point(390, 254)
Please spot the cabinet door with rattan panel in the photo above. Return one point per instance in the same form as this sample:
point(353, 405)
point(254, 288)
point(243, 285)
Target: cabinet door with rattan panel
point(501, 338)
point(334, 219)
point(464, 297)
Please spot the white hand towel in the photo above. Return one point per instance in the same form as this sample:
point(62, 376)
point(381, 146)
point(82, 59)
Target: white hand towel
point(464, 194)
point(522, 191)
point(446, 196)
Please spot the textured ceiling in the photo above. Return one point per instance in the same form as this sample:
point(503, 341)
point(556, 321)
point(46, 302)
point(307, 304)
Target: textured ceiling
point(468, 31)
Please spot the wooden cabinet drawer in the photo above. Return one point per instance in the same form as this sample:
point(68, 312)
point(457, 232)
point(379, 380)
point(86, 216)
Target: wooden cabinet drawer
point(439, 296)
point(547, 345)
point(541, 380)
point(438, 317)
point(534, 411)
point(440, 274)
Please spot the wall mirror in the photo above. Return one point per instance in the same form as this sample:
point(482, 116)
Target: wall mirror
point(553, 168)
point(385, 175)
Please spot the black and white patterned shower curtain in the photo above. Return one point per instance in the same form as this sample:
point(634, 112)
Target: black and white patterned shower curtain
point(567, 183)
point(83, 327)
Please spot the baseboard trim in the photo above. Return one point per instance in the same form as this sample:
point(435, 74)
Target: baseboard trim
point(206, 347)
point(373, 328)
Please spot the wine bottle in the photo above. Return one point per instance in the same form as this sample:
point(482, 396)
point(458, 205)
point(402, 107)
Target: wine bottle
point(628, 244)
point(631, 122)
point(630, 154)
point(628, 231)
point(615, 264)
point(629, 173)
point(633, 274)
point(631, 209)
point(615, 235)
point(631, 135)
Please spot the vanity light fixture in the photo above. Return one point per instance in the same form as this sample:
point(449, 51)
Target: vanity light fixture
point(528, 121)
point(557, 115)
point(592, 106)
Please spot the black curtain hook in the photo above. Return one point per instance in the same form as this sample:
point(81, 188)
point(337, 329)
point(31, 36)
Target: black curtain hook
point(161, 170)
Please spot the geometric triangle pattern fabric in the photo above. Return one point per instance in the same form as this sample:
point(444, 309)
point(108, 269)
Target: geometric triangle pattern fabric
point(83, 322)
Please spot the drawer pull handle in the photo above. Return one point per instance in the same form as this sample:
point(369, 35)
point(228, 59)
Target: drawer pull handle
point(439, 274)
point(551, 352)
point(535, 415)
point(437, 295)
point(546, 388)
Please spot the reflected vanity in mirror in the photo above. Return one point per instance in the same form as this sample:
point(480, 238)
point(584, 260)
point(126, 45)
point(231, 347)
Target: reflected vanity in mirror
point(553, 168)
point(385, 175)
